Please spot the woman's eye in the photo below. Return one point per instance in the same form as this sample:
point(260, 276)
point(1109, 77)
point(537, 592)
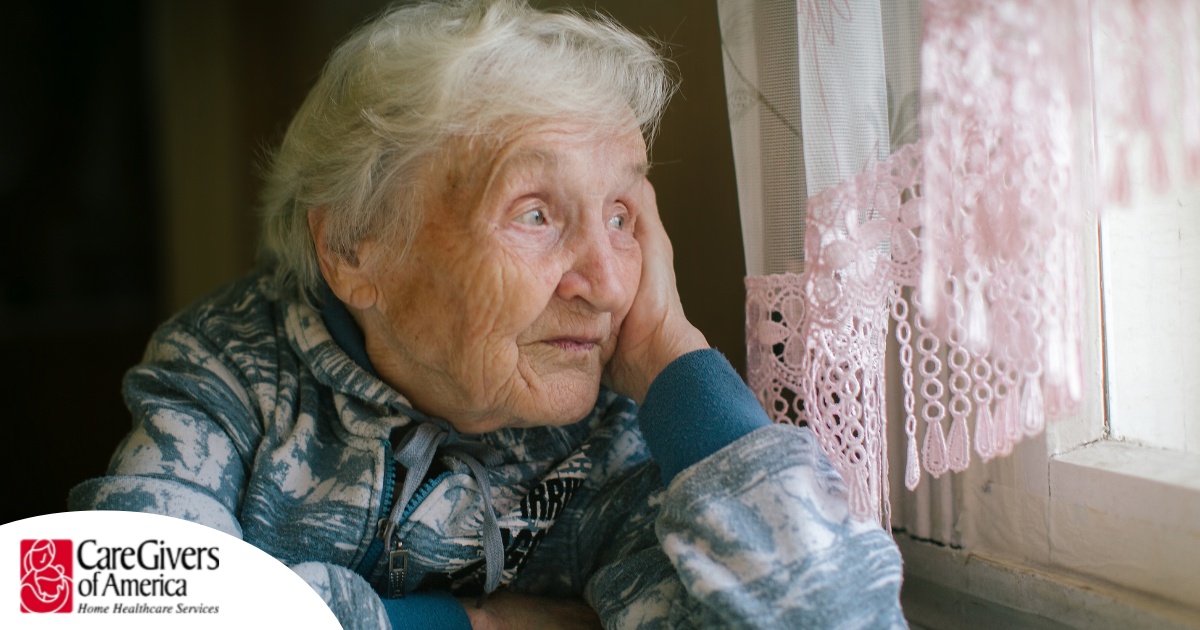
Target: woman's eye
point(617, 222)
point(535, 217)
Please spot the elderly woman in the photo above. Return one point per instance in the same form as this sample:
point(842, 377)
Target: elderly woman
point(466, 369)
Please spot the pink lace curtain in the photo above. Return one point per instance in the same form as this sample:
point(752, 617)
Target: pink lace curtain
point(925, 170)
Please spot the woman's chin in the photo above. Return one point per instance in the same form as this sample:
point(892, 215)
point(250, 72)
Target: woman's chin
point(556, 405)
point(524, 421)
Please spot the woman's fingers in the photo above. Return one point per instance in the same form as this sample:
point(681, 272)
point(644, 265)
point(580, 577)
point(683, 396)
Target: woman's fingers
point(649, 230)
point(656, 331)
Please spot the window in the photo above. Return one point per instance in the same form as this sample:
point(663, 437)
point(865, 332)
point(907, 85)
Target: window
point(1151, 262)
point(1098, 522)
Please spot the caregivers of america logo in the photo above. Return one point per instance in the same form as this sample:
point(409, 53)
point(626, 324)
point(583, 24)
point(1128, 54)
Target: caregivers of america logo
point(114, 569)
point(150, 577)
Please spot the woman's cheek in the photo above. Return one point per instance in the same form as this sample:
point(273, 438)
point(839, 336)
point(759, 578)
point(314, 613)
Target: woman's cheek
point(517, 290)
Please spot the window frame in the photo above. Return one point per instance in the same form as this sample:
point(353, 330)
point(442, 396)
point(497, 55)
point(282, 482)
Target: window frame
point(1077, 526)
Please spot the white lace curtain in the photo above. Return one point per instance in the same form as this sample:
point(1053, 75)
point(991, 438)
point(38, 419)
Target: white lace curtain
point(923, 169)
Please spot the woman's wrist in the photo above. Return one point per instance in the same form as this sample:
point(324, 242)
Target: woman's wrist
point(696, 406)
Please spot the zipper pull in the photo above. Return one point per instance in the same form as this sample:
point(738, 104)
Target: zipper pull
point(397, 570)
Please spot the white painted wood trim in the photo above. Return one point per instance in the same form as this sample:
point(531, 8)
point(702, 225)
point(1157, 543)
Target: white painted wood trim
point(1128, 514)
point(951, 589)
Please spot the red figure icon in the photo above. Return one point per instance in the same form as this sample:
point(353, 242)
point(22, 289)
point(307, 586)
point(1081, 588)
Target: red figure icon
point(46, 570)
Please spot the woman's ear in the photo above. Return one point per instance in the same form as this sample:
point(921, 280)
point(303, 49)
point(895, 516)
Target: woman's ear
point(347, 274)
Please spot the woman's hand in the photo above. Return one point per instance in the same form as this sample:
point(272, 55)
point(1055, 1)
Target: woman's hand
point(655, 332)
point(508, 611)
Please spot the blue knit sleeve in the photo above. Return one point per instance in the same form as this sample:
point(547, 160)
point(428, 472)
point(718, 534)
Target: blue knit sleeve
point(696, 406)
point(427, 611)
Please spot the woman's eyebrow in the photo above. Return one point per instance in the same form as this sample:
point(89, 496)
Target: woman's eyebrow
point(530, 158)
point(637, 172)
point(526, 159)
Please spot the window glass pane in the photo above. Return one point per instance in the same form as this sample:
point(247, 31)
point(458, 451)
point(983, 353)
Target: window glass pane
point(1151, 286)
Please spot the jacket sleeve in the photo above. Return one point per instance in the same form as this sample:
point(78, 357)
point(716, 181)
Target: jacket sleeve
point(754, 534)
point(194, 437)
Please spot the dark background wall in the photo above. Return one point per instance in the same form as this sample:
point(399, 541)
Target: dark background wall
point(130, 138)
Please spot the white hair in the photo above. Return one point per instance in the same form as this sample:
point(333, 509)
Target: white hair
point(406, 83)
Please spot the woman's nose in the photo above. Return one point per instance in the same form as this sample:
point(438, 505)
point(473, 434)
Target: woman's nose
point(596, 271)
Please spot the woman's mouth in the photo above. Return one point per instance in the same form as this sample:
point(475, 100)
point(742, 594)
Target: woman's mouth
point(574, 344)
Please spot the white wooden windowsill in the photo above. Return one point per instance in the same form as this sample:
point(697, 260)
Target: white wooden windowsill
point(1130, 515)
point(1123, 530)
point(1136, 481)
point(950, 589)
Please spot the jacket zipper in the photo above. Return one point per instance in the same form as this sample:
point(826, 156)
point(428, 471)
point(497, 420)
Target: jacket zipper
point(385, 507)
point(397, 576)
point(397, 573)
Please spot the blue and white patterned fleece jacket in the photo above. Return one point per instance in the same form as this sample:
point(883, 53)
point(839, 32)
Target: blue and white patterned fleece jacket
point(250, 418)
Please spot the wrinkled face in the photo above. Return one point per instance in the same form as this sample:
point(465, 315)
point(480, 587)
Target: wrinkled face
point(507, 306)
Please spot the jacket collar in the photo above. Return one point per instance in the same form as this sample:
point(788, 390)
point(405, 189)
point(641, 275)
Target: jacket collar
point(330, 343)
